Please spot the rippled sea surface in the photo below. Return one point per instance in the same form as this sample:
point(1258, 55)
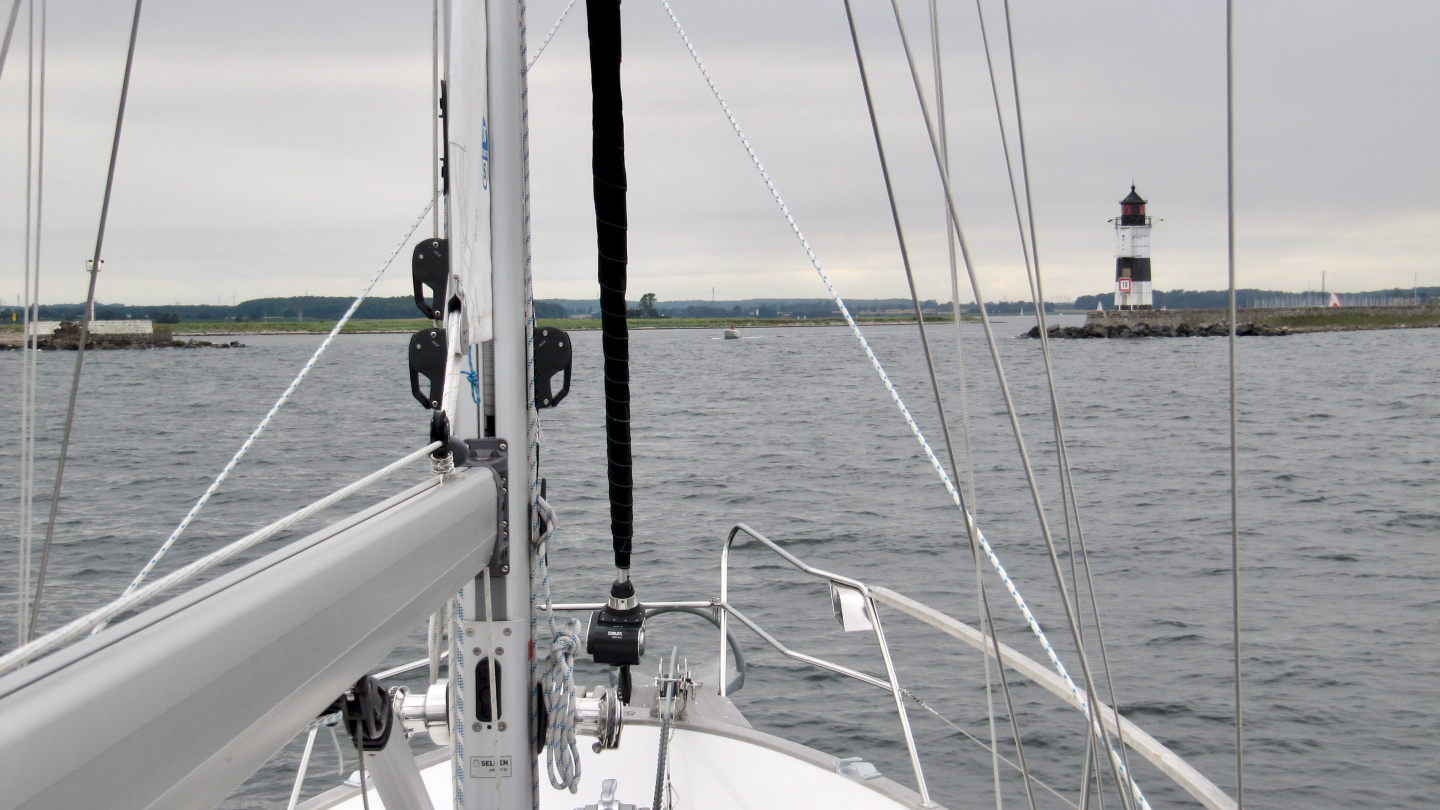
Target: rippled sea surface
point(791, 432)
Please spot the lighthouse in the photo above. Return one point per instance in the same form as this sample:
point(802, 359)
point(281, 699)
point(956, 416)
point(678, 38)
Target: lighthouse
point(1132, 255)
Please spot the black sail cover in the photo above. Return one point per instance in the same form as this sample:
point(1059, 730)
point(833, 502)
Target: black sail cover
point(608, 168)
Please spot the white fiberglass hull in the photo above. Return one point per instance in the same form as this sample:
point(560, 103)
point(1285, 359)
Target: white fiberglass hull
point(717, 762)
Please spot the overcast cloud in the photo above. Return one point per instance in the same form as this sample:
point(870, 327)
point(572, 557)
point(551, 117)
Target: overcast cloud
point(281, 148)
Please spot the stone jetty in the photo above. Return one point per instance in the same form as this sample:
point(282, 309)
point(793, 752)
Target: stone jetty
point(1269, 322)
point(1142, 329)
point(103, 335)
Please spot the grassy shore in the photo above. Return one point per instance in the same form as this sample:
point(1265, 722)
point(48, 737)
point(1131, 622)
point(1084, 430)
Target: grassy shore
point(192, 328)
point(1345, 321)
point(570, 324)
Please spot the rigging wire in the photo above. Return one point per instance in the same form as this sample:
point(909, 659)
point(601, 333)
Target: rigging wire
point(9, 32)
point(993, 751)
point(27, 452)
point(1234, 429)
point(1117, 765)
point(1081, 697)
point(32, 342)
point(274, 409)
point(1037, 290)
point(85, 319)
point(55, 638)
point(930, 366)
point(982, 601)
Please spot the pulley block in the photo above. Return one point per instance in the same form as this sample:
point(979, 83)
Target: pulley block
point(427, 359)
point(430, 267)
point(552, 356)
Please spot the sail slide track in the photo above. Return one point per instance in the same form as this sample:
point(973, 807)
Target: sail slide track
point(184, 701)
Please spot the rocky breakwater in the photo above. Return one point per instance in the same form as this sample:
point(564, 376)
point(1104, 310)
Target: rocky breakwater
point(66, 336)
point(1143, 329)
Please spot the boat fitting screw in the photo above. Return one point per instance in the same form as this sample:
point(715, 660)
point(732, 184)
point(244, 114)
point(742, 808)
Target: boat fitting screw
point(499, 650)
point(469, 631)
point(474, 726)
point(500, 725)
point(506, 631)
point(502, 445)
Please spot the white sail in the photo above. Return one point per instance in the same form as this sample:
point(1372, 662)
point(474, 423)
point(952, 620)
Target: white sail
point(468, 165)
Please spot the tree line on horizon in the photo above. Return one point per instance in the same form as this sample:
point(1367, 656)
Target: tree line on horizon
point(331, 308)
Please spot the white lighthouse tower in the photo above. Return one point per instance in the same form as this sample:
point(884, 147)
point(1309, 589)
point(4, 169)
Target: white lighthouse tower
point(1132, 255)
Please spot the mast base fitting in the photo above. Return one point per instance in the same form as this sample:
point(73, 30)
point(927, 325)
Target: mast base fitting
point(617, 640)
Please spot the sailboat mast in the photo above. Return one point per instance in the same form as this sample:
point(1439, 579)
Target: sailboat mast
point(486, 169)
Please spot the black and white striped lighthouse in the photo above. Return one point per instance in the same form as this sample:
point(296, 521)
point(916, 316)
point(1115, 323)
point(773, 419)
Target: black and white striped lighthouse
point(1132, 255)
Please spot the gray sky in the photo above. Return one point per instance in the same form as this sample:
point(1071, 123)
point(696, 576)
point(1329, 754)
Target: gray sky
point(281, 148)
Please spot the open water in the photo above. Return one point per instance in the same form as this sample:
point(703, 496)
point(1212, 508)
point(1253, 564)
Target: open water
point(791, 432)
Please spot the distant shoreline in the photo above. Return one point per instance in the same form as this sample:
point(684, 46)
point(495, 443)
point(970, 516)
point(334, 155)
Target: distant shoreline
point(381, 327)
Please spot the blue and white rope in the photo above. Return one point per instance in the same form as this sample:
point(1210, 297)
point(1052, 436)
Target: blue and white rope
point(545, 42)
point(1079, 694)
point(556, 674)
point(456, 611)
point(274, 409)
point(472, 375)
point(323, 720)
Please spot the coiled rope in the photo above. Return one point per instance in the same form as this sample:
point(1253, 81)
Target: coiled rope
point(556, 670)
point(274, 409)
point(1030, 620)
point(130, 599)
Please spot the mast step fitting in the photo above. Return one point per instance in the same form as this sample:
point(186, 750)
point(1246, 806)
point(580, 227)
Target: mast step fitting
point(552, 356)
point(430, 267)
point(427, 359)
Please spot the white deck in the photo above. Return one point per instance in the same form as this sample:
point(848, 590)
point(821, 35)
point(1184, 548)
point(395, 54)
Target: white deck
point(717, 762)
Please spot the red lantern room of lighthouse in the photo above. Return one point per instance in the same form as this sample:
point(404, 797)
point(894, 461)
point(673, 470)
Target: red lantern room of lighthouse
point(1132, 255)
